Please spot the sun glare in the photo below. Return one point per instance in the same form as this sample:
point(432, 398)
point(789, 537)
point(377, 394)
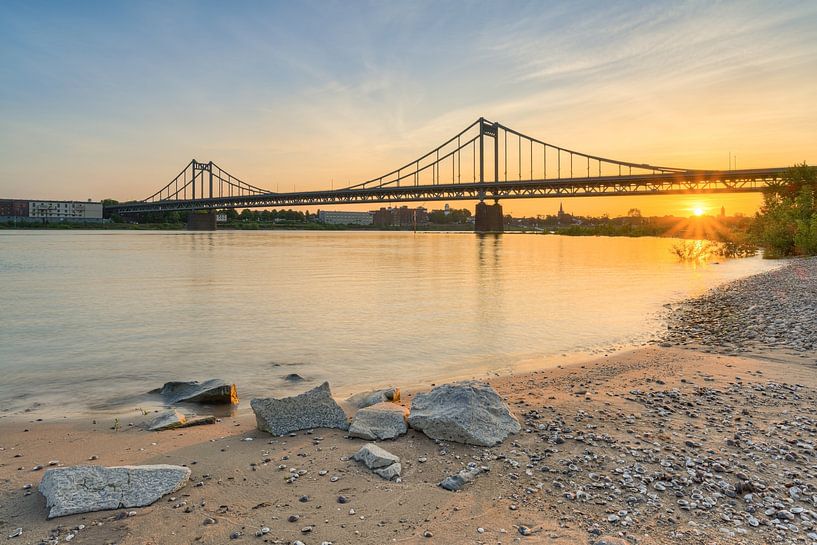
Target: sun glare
point(698, 211)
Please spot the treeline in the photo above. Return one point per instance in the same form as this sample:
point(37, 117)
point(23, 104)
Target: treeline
point(247, 215)
point(455, 215)
point(611, 229)
point(786, 224)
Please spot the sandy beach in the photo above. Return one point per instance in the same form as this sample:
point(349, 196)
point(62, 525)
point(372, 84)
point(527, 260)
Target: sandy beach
point(656, 445)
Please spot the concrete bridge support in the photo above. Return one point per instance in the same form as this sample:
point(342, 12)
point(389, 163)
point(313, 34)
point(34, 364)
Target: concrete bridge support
point(488, 218)
point(201, 221)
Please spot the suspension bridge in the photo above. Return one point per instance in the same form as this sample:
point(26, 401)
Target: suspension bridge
point(486, 161)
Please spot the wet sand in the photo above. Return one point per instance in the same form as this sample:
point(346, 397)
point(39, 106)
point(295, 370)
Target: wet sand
point(597, 437)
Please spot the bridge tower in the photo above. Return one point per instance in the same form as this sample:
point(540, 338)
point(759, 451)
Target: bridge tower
point(202, 220)
point(488, 218)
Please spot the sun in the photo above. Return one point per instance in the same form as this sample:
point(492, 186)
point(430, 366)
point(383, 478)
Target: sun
point(698, 211)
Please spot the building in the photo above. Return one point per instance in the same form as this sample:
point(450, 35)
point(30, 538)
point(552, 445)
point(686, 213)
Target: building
point(341, 217)
point(13, 208)
point(65, 210)
point(400, 217)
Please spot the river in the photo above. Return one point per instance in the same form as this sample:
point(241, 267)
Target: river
point(91, 318)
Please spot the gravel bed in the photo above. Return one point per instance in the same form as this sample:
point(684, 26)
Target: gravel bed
point(775, 310)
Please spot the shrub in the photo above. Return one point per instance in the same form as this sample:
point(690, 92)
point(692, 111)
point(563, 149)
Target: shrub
point(787, 222)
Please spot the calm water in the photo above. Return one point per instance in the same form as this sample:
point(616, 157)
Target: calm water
point(88, 318)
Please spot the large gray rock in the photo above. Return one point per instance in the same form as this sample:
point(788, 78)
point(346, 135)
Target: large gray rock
point(211, 392)
point(468, 412)
point(380, 421)
point(82, 489)
point(312, 409)
point(373, 397)
point(382, 462)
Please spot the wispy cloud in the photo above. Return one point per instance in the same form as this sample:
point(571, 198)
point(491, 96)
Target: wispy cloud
point(304, 93)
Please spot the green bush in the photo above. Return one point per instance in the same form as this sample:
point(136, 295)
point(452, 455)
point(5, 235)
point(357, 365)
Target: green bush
point(787, 222)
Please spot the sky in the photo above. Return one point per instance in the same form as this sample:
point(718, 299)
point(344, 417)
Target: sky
point(111, 99)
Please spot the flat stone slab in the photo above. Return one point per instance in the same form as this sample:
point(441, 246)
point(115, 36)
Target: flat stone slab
point(167, 420)
point(210, 392)
point(198, 421)
point(312, 409)
point(382, 462)
point(373, 397)
point(381, 421)
point(469, 412)
point(83, 489)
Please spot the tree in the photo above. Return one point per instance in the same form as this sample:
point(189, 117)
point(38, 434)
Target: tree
point(787, 221)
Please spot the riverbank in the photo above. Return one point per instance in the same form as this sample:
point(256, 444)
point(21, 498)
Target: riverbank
point(775, 310)
point(657, 445)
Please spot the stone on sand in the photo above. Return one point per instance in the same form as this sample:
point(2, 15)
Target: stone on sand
point(82, 489)
point(312, 409)
point(167, 420)
point(373, 397)
point(610, 540)
point(469, 412)
point(211, 392)
point(458, 481)
point(380, 421)
point(379, 460)
point(389, 472)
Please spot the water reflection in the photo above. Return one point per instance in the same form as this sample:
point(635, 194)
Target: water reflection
point(113, 315)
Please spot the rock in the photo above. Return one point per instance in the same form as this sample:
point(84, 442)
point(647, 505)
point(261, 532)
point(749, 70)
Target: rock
point(312, 409)
point(458, 481)
point(82, 489)
point(374, 457)
point(211, 392)
point(167, 421)
point(367, 399)
point(382, 462)
point(468, 412)
point(391, 472)
point(380, 421)
point(172, 419)
point(294, 377)
point(610, 540)
point(199, 421)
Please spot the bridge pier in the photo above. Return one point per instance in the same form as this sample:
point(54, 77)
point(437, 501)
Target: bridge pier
point(201, 221)
point(488, 218)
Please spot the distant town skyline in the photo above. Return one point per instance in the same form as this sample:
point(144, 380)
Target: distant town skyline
point(111, 99)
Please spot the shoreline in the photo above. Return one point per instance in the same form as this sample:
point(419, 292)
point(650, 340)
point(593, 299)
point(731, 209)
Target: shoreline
point(611, 407)
point(651, 446)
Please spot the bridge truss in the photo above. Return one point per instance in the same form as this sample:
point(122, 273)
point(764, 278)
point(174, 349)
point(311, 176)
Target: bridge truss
point(486, 160)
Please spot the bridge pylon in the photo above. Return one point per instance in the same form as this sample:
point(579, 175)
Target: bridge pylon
point(488, 218)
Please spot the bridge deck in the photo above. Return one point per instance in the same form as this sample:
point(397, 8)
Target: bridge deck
point(698, 181)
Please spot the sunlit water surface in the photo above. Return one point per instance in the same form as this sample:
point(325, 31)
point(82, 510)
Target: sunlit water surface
point(91, 318)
